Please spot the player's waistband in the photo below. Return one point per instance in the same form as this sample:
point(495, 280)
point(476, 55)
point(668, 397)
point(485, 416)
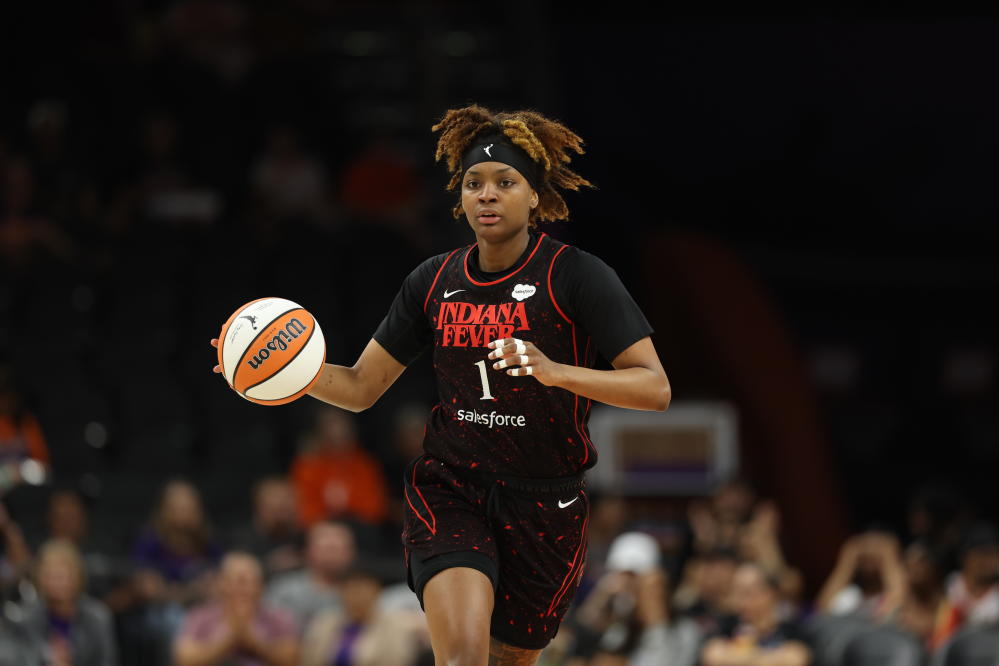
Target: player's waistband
point(532, 488)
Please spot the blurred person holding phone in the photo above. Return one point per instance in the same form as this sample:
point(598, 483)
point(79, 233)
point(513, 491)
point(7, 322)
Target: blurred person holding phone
point(627, 619)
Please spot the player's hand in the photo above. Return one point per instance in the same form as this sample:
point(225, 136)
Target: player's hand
point(215, 343)
point(520, 358)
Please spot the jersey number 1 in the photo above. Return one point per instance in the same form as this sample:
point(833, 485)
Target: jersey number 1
point(486, 395)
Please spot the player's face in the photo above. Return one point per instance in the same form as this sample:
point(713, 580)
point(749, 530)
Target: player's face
point(497, 200)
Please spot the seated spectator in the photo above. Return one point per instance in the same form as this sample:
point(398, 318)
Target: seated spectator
point(329, 554)
point(178, 548)
point(756, 636)
point(759, 542)
point(973, 591)
point(705, 596)
point(21, 438)
point(720, 522)
point(15, 557)
point(236, 629)
point(924, 604)
point(336, 478)
point(868, 579)
point(274, 536)
point(174, 560)
point(68, 519)
point(360, 634)
point(627, 618)
point(76, 629)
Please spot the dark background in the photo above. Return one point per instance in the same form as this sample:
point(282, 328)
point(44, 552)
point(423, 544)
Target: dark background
point(846, 161)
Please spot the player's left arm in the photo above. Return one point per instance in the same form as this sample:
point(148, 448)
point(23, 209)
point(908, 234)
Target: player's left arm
point(638, 380)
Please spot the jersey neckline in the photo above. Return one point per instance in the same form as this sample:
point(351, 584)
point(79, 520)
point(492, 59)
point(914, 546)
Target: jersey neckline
point(505, 275)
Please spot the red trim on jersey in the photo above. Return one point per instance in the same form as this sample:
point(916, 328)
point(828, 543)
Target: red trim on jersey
point(434, 283)
point(589, 402)
point(551, 294)
point(505, 277)
point(575, 403)
point(576, 560)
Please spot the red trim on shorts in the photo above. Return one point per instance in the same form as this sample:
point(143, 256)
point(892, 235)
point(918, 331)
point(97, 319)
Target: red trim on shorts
point(434, 283)
point(551, 294)
point(505, 277)
point(432, 528)
point(576, 565)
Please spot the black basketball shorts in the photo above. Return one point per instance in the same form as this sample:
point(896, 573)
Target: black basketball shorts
point(527, 535)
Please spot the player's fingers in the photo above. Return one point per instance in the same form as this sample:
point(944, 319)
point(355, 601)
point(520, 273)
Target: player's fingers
point(521, 372)
point(215, 342)
point(217, 369)
point(508, 346)
point(520, 359)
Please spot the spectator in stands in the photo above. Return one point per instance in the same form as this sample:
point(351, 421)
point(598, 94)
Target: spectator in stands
point(973, 591)
point(759, 541)
point(68, 519)
point(274, 536)
point(868, 579)
point(608, 517)
point(705, 595)
point(756, 635)
point(15, 557)
point(720, 522)
point(360, 634)
point(924, 603)
point(330, 552)
point(21, 437)
point(76, 629)
point(938, 515)
point(336, 478)
point(178, 546)
point(236, 628)
point(628, 615)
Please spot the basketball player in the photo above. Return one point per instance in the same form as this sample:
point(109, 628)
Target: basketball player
point(495, 527)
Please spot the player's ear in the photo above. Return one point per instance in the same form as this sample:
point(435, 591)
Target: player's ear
point(534, 199)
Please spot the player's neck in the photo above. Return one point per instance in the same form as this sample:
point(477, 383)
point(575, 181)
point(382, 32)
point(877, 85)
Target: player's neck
point(499, 256)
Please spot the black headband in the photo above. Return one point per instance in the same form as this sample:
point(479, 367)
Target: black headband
point(498, 149)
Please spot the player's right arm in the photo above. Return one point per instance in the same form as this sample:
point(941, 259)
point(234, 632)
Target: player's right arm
point(358, 387)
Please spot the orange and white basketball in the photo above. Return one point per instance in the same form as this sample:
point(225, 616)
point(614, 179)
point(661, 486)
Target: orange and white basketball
point(271, 351)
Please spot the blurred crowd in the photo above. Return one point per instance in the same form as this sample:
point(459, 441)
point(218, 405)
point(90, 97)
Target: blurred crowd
point(315, 575)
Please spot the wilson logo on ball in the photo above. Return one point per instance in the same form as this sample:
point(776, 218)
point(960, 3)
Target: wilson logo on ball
point(278, 343)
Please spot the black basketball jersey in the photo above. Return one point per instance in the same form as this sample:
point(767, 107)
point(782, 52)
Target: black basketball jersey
point(486, 419)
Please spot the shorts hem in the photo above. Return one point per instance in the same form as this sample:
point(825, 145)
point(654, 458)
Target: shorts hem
point(421, 571)
point(515, 638)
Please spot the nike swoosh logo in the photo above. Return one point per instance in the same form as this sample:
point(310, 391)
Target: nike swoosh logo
point(562, 505)
point(448, 294)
